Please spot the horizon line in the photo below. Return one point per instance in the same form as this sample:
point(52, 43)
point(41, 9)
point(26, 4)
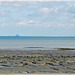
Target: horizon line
point(35, 36)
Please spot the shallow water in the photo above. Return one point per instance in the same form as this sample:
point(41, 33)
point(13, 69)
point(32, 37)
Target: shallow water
point(10, 68)
point(44, 43)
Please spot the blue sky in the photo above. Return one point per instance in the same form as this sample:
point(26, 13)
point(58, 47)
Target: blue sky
point(37, 18)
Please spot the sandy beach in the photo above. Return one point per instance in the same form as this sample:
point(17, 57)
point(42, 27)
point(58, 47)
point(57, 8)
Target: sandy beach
point(37, 61)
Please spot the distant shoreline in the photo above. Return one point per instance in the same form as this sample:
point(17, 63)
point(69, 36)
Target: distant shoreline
point(38, 48)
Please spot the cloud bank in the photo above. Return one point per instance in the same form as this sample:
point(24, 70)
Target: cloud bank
point(37, 13)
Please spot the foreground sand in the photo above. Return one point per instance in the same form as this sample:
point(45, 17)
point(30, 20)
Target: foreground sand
point(37, 61)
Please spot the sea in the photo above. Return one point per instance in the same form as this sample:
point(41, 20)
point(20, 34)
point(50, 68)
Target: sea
point(35, 42)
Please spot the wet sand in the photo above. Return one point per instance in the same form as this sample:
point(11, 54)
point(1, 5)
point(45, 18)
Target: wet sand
point(37, 61)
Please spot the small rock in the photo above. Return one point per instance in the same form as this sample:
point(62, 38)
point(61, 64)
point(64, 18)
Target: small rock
point(21, 62)
point(55, 68)
point(50, 64)
point(25, 64)
point(34, 62)
point(61, 63)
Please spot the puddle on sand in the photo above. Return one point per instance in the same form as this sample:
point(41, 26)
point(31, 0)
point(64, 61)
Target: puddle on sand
point(53, 66)
point(10, 68)
point(35, 68)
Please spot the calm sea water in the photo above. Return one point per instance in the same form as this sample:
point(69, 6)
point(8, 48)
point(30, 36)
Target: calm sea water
point(25, 42)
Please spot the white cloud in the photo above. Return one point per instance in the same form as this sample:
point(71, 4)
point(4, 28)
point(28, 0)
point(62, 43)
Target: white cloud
point(17, 3)
point(3, 13)
point(45, 10)
point(27, 23)
point(72, 25)
point(71, 5)
point(73, 20)
point(68, 14)
point(66, 25)
point(56, 10)
point(31, 21)
point(61, 25)
point(9, 3)
point(21, 23)
point(3, 25)
point(65, 9)
point(37, 0)
point(49, 25)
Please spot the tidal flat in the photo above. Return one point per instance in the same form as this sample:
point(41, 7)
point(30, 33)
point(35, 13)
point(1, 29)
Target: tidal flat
point(37, 61)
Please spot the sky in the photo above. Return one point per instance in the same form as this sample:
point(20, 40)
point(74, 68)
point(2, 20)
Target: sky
point(37, 18)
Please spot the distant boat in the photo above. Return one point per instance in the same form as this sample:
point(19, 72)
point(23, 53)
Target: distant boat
point(17, 35)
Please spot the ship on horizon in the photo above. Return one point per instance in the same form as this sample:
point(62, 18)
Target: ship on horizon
point(17, 35)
